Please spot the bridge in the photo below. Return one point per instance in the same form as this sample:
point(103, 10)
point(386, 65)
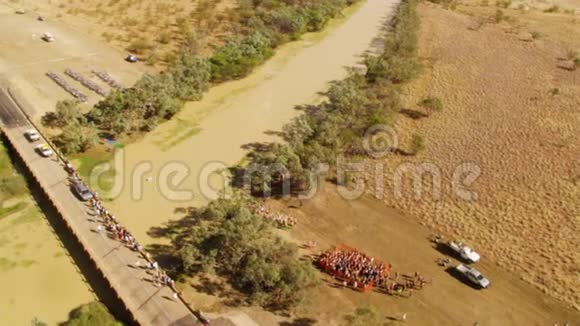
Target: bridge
point(117, 264)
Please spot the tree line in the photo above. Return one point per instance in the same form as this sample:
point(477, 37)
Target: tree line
point(337, 126)
point(261, 26)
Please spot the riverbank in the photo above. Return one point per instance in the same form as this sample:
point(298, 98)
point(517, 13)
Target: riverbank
point(236, 113)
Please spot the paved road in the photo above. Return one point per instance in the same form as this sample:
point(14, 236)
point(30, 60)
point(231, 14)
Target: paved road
point(149, 305)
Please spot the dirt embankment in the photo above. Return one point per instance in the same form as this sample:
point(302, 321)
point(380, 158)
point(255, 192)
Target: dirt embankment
point(513, 113)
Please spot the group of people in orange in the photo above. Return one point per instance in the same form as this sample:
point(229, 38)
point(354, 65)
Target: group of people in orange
point(356, 269)
point(353, 268)
point(281, 220)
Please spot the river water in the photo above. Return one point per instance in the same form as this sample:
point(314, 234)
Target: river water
point(234, 114)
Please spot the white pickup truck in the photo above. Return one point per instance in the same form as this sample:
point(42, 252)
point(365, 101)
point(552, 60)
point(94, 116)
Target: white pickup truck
point(464, 251)
point(473, 275)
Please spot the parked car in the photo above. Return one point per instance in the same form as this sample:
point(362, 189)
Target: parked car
point(82, 191)
point(465, 252)
point(131, 58)
point(44, 150)
point(48, 37)
point(32, 135)
point(473, 275)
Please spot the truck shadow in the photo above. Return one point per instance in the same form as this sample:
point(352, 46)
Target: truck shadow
point(445, 250)
point(460, 277)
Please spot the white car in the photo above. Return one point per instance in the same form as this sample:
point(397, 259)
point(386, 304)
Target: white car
point(32, 135)
point(464, 251)
point(474, 276)
point(44, 150)
point(47, 37)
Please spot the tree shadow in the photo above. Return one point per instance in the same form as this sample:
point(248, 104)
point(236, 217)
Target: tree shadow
point(413, 114)
point(275, 133)
point(304, 321)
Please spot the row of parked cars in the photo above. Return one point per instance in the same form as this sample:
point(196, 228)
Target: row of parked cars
point(78, 187)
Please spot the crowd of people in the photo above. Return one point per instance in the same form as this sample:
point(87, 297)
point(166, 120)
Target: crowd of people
point(357, 270)
point(280, 219)
point(104, 76)
point(86, 82)
point(116, 231)
point(353, 267)
point(62, 83)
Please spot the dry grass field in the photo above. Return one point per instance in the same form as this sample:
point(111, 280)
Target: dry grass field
point(391, 237)
point(513, 112)
point(154, 30)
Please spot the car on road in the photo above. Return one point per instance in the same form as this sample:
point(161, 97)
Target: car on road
point(473, 275)
point(131, 58)
point(32, 135)
point(44, 150)
point(465, 252)
point(82, 191)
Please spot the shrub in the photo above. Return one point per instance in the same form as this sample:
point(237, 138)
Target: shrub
point(140, 46)
point(499, 16)
point(363, 316)
point(552, 9)
point(536, 35)
point(94, 313)
point(431, 104)
point(417, 144)
point(504, 4)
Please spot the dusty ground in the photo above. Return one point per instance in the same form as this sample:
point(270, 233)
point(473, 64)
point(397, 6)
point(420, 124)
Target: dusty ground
point(152, 29)
point(389, 236)
point(25, 59)
point(512, 112)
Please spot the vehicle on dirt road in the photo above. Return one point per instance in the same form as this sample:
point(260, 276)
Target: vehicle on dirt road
point(473, 275)
point(131, 58)
point(465, 252)
point(47, 37)
point(44, 150)
point(32, 135)
point(82, 191)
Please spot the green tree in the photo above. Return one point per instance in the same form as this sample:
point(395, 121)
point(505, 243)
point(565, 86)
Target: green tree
point(94, 313)
point(76, 138)
point(230, 239)
point(66, 112)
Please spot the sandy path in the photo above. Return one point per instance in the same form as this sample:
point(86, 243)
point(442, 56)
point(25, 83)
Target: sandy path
point(239, 112)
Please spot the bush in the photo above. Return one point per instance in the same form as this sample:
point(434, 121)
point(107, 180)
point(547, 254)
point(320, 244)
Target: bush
point(13, 186)
point(363, 316)
point(499, 16)
point(140, 46)
point(431, 104)
point(94, 313)
point(417, 144)
point(552, 9)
